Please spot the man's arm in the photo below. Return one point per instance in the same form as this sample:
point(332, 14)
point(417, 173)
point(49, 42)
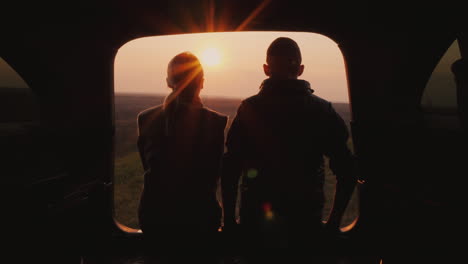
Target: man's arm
point(342, 163)
point(232, 169)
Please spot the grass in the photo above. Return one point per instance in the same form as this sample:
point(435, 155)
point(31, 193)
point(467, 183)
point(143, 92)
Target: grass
point(127, 189)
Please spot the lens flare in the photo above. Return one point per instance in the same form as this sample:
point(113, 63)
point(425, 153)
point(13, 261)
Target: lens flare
point(267, 209)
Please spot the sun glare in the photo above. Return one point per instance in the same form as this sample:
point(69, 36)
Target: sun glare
point(210, 57)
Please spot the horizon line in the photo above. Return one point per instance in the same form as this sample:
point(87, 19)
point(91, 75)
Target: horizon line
point(202, 96)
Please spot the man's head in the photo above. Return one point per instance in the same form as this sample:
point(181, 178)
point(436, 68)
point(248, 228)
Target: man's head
point(283, 59)
point(185, 74)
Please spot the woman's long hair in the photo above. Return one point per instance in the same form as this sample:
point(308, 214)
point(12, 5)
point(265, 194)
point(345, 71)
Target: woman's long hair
point(184, 76)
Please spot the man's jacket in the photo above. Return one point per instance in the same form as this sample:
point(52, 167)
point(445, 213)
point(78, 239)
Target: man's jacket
point(277, 143)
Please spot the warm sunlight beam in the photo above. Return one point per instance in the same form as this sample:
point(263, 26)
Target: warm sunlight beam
point(210, 57)
point(253, 15)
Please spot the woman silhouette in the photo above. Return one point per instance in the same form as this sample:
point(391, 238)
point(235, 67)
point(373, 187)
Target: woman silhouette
point(181, 144)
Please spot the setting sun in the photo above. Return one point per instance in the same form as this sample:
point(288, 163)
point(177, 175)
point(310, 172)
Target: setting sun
point(210, 57)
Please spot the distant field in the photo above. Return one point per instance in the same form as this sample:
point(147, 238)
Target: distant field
point(129, 173)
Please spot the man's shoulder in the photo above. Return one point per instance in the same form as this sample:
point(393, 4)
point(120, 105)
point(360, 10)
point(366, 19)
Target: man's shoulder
point(318, 101)
point(155, 110)
point(252, 100)
point(312, 99)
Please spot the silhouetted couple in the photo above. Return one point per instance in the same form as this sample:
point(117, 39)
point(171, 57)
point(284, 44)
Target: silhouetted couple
point(275, 148)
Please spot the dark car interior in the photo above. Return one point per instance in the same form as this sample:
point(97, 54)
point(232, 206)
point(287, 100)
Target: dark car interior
point(57, 137)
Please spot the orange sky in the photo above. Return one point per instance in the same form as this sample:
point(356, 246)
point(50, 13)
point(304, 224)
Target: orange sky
point(140, 65)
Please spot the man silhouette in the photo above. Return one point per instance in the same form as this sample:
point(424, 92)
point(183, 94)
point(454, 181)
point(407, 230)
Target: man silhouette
point(276, 146)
